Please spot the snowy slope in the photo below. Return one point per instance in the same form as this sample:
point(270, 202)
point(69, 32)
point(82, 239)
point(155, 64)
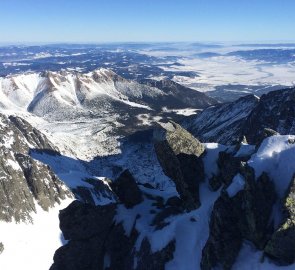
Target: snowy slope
point(248, 116)
point(46, 92)
point(32, 245)
point(222, 123)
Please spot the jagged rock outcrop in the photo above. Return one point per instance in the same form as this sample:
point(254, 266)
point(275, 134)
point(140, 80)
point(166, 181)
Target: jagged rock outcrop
point(225, 238)
point(242, 216)
point(276, 111)
point(87, 227)
point(281, 246)
point(97, 242)
point(126, 189)
point(23, 179)
point(179, 155)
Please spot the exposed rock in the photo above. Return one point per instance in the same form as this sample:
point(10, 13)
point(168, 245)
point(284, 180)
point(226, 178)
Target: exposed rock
point(267, 132)
point(180, 140)
point(215, 182)
point(228, 166)
point(96, 242)
point(146, 260)
point(100, 190)
point(80, 255)
point(281, 246)
point(87, 228)
point(81, 221)
point(245, 216)
point(257, 202)
point(183, 96)
point(174, 201)
point(32, 135)
point(46, 188)
point(275, 111)
point(179, 155)
point(22, 179)
point(159, 219)
point(126, 189)
point(225, 238)
point(119, 248)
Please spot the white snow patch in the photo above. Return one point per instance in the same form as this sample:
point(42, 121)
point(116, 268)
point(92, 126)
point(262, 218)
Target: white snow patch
point(276, 157)
point(245, 150)
point(237, 185)
point(32, 246)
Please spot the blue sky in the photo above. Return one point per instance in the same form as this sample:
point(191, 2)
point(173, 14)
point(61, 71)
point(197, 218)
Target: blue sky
point(146, 20)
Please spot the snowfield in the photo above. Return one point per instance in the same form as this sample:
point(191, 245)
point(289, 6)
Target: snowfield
point(32, 246)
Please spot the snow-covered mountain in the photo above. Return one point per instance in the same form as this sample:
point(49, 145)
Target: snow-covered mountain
point(249, 116)
point(95, 107)
point(57, 94)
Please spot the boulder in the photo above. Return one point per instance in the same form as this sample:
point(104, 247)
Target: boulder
point(126, 189)
point(179, 155)
point(81, 221)
point(86, 227)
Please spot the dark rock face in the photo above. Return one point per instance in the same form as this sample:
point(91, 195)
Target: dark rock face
point(97, 242)
point(228, 166)
point(179, 155)
point(126, 189)
point(281, 246)
point(87, 227)
point(245, 216)
point(276, 111)
point(81, 221)
point(119, 248)
point(150, 261)
point(23, 179)
point(225, 238)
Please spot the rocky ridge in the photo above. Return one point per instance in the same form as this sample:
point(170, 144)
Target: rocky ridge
point(24, 180)
point(249, 116)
